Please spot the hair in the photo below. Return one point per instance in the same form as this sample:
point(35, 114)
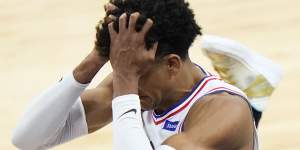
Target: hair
point(174, 26)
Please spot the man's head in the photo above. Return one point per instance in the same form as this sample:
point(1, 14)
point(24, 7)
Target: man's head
point(174, 28)
point(174, 25)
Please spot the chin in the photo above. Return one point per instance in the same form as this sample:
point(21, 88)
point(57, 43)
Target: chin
point(146, 104)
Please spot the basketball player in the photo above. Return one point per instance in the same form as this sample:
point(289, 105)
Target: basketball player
point(238, 65)
point(184, 106)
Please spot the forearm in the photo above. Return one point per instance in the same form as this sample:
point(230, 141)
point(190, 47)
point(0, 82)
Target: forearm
point(128, 129)
point(124, 84)
point(47, 114)
point(128, 132)
point(127, 121)
point(56, 115)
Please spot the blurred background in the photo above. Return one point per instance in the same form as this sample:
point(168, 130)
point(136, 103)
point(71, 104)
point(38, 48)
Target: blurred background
point(40, 40)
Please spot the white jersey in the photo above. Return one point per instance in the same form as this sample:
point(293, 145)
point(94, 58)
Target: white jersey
point(171, 122)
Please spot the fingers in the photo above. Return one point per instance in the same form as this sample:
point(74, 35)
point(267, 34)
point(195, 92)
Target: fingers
point(110, 19)
point(112, 31)
point(132, 22)
point(122, 22)
point(109, 7)
point(147, 26)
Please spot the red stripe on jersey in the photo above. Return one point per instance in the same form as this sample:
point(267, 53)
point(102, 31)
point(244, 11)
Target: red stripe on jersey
point(185, 105)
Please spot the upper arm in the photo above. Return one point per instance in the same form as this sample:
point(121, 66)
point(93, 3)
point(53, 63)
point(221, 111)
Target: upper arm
point(223, 122)
point(97, 105)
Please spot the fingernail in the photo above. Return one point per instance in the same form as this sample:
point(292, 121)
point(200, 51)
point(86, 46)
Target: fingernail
point(111, 17)
point(150, 21)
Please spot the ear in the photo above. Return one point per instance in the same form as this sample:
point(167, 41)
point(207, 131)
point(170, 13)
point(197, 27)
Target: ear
point(174, 64)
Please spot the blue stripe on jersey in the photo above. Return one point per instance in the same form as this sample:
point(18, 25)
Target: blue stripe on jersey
point(227, 91)
point(204, 71)
point(180, 101)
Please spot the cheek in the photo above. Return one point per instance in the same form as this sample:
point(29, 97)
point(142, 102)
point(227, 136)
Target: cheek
point(153, 85)
point(149, 85)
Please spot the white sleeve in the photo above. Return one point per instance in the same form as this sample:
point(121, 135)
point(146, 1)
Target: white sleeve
point(166, 147)
point(54, 117)
point(128, 131)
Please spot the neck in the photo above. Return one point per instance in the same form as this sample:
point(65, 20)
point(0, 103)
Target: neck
point(191, 75)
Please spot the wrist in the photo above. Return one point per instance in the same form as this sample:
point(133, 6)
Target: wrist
point(95, 58)
point(70, 80)
point(86, 70)
point(122, 104)
point(123, 84)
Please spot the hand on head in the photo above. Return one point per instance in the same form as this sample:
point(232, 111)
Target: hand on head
point(128, 53)
point(109, 7)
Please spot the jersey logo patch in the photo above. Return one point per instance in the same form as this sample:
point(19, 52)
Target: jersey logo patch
point(170, 126)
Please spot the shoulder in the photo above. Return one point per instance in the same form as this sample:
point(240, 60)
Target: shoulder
point(222, 119)
point(222, 104)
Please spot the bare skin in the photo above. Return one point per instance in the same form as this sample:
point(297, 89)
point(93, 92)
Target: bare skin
point(221, 121)
point(97, 103)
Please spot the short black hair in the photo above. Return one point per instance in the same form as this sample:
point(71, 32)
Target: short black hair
point(174, 26)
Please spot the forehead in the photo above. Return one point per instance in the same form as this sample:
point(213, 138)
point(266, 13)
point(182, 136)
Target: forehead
point(154, 69)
